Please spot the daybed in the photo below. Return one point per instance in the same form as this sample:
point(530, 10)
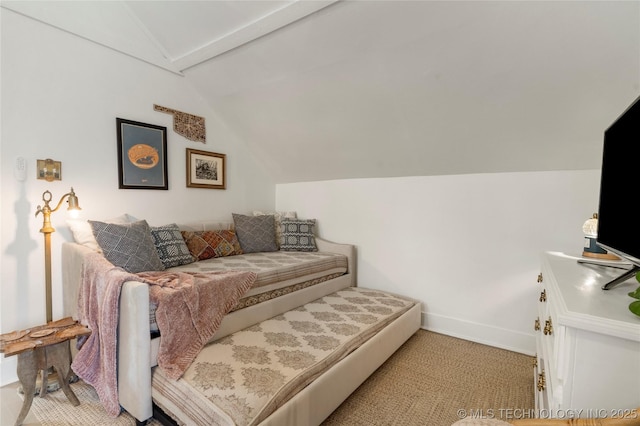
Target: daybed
point(286, 283)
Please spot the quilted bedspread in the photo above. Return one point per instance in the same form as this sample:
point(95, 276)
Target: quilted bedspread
point(242, 378)
point(272, 267)
point(277, 273)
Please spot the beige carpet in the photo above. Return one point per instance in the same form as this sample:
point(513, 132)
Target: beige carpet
point(432, 380)
point(55, 410)
point(435, 380)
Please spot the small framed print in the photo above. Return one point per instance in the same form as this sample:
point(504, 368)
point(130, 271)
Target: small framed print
point(142, 155)
point(206, 169)
point(49, 170)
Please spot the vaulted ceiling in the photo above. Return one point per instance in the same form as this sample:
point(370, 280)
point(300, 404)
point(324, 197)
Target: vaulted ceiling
point(353, 89)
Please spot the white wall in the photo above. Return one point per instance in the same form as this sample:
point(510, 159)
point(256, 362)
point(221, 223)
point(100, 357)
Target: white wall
point(466, 246)
point(60, 98)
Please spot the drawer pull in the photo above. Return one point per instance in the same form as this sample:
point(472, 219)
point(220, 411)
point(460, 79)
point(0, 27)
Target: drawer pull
point(540, 277)
point(548, 327)
point(536, 324)
point(543, 295)
point(542, 384)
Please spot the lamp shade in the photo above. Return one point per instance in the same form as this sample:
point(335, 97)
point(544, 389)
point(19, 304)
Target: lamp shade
point(590, 227)
point(73, 202)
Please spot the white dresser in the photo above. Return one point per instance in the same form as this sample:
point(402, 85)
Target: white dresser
point(587, 341)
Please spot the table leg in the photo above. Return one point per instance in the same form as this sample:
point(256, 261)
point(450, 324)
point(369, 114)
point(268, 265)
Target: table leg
point(59, 356)
point(44, 384)
point(30, 363)
point(27, 374)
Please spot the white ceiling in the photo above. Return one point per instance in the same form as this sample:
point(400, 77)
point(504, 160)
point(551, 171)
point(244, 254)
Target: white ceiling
point(349, 89)
point(174, 35)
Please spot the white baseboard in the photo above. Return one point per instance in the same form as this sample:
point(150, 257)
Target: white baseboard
point(480, 333)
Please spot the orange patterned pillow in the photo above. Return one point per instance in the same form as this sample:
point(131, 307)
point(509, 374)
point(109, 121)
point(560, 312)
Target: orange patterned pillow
point(207, 244)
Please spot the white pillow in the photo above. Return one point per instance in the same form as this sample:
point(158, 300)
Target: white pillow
point(83, 234)
point(278, 215)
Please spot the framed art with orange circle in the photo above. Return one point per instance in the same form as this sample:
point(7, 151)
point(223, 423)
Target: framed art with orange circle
point(142, 155)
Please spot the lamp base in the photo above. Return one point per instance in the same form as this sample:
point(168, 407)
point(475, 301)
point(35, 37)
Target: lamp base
point(593, 250)
point(603, 256)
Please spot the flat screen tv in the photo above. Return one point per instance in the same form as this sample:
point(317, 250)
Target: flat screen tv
point(618, 213)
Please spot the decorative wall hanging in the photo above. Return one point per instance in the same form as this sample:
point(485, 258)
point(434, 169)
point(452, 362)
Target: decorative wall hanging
point(188, 125)
point(49, 170)
point(142, 155)
point(205, 169)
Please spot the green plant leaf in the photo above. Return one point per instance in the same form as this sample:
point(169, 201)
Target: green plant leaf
point(635, 307)
point(635, 294)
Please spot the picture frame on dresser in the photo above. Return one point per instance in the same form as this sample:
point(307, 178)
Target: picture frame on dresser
point(206, 169)
point(142, 155)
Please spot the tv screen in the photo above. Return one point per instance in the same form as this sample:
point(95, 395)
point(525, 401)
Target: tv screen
point(618, 214)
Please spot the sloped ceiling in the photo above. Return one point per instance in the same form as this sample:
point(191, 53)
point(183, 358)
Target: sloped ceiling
point(324, 90)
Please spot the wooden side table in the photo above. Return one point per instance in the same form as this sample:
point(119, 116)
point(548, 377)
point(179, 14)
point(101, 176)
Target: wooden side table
point(38, 349)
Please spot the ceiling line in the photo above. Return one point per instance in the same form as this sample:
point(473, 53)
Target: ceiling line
point(166, 67)
point(258, 28)
point(150, 36)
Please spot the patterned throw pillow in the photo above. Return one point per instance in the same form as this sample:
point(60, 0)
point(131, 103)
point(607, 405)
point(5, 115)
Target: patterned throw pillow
point(298, 235)
point(255, 233)
point(207, 244)
point(83, 234)
point(171, 246)
point(277, 216)
point(129, 246)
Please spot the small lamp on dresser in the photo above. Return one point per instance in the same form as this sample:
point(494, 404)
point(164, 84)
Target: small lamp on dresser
point(591, 248)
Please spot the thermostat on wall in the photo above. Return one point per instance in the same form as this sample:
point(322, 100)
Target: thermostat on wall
point(20, 169)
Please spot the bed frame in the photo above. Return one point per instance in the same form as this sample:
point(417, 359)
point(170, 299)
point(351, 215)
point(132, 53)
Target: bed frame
point(137, 351)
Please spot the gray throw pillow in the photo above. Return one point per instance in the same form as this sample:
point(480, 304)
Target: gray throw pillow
point(255, 233)
point(129, 246)
point(298, 235)
point(171, 247)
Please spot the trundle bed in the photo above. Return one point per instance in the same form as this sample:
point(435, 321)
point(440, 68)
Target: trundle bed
point(289, 352)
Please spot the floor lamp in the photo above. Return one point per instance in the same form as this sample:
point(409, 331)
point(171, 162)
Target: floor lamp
point(47, 229)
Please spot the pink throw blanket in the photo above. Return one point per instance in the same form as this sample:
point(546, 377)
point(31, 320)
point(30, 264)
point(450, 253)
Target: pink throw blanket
point(190, 309)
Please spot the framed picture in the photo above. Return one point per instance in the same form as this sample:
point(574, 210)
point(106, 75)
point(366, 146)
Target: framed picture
point(142, 155)
point(205, 169)
point(49, 170)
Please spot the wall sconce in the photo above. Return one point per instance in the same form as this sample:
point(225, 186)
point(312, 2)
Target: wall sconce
point(49, 170)
point(47, 229)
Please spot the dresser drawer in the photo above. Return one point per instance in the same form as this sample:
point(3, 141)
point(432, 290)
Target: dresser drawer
point(540, 384)
point(587, 341)
point(551, 335)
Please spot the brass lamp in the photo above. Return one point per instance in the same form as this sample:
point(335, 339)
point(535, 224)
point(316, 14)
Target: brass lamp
point(47, 229)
